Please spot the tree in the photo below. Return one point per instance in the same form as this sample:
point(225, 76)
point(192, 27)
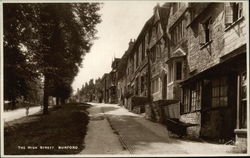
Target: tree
point(19, 71)
point(75, 25)
point(59, 35)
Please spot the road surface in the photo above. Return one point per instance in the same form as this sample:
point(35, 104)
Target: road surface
point(115, 130)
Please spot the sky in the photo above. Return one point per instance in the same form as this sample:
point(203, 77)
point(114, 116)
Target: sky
point(121, 21)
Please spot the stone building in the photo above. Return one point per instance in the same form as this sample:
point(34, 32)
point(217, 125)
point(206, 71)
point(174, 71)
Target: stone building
point(114, 81)
point(151, 39)
point(214, 90)
point(194, 57)
point(122, 76)
point(105, 87)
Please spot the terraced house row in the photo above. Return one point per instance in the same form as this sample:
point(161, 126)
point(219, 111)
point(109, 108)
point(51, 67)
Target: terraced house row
point(189, 61)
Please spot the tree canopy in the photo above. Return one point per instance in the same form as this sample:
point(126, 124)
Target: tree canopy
point(56, 38)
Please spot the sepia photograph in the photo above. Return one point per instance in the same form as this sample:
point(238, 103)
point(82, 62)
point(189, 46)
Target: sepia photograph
point(124, 78)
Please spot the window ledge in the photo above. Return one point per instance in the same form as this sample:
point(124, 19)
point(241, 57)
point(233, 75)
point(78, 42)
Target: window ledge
point(242, 130)
point(170, 83)
point(206, 44)
point(234, 23)
point(190, 112)
point(214, 108)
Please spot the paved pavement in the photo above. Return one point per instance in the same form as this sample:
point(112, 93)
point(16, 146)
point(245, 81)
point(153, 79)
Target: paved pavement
point(138, 136)
point(18, 113)
point(100, 138)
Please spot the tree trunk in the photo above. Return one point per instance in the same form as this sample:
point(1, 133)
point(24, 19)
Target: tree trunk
point(63, 100)
point(45, 96)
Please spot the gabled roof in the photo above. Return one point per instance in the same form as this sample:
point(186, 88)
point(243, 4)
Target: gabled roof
point(163, 12)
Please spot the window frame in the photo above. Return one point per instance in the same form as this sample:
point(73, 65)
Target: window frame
point(243, 100)
point(218, 95)
point(178, 70)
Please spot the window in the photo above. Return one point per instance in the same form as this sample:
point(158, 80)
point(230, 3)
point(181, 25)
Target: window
point(186, 100)
point(178, 70)
point(137, 86)
point(207, 35)
point(175, 7)
point(243, 100)
point(196, 97)
point(153, 54)
point(170, 71)
point(192, 97)
point(193, 14)
point(142, 84)
point(137, 58)
point(233, 12)
point(219, 92)
point(143, 50)
point(155, 85)
point(177, 32)
point(205, 32)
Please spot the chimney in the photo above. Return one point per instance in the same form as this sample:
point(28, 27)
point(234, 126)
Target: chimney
point(131, 42)
point(157, 6)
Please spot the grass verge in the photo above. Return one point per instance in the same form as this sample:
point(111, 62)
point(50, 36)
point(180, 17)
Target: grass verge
point(60, 132)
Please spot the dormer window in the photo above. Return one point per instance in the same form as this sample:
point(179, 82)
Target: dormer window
point(175, 7)
point(205, 32)
point(233, 12)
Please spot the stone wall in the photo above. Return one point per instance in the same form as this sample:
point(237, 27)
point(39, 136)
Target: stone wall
point(163, 109)
point(224, 40)
point(194, 118)
point(241, 140)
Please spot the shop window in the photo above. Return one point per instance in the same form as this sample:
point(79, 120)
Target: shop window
point(192, 98)
point(186, 100)
point(233, 12)
point(219, 92)
point(196, 97)
point(243, 100)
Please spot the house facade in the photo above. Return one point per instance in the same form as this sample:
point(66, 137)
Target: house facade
point(214, 91)
point(113, 87)
point(106, 82)
point(190, 59)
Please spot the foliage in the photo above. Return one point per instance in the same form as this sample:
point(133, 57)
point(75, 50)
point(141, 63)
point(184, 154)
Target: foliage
point(19, 71)
point(55, 37)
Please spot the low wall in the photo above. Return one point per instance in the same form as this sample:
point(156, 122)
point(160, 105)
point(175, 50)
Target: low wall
point(241, 140)
point(194, 118)
point(163, 109)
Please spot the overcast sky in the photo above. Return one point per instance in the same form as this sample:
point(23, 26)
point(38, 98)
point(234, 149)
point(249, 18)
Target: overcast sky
point(121, 21)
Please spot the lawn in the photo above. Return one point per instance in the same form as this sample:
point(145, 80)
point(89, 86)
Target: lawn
point(60, 132)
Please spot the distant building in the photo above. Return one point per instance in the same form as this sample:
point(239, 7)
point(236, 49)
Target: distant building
point(106, 82)
point(114, 81)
